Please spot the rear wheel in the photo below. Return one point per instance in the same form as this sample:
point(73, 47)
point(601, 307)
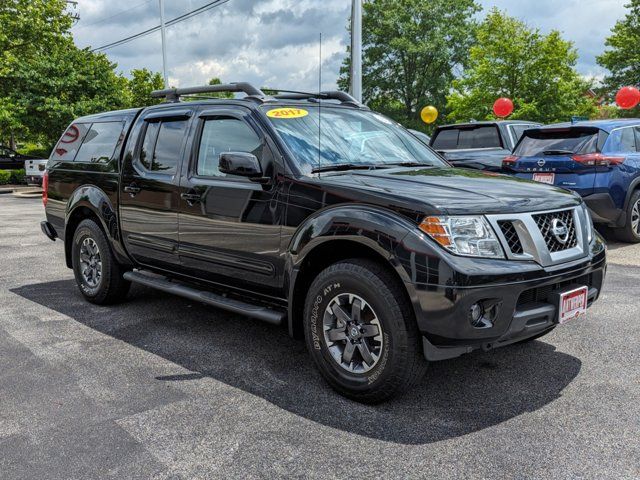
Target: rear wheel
point(98, 274)
point(361, 332)
point(631, 231)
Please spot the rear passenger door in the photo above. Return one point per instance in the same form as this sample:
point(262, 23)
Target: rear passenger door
point(230, 225)
point(149, 198)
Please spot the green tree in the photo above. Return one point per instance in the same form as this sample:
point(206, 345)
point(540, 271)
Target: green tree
point(411, 49)
point(45, 80)
point(140, 86)
point(536, 71)
point(217, 81)
point(622, 57)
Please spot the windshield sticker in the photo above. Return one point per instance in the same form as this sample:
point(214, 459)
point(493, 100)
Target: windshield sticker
point(287, 113)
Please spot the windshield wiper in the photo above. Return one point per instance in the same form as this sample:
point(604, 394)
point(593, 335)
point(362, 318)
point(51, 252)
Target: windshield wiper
point(558, 152)
point(338, 167)
point(408, 164)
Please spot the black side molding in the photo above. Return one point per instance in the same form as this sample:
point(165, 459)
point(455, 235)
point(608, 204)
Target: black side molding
point(48, 230)
point(259, 312)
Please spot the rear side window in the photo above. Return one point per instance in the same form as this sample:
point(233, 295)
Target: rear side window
point(518, 129)
point(225, 135)
point(554, 142)
point(70, 142)
point(100, 142)
point(627, 140)
point(162, 145)
point(459, 138)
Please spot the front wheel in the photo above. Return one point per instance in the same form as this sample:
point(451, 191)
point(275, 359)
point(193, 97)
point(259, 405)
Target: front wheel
point(631, 231)
point(361, 332)
point(98, 274)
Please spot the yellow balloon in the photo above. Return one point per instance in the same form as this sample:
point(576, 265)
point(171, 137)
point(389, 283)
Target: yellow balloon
point(429, 114)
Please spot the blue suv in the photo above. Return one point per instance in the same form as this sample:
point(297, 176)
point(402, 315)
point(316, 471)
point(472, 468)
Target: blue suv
point(599, 159)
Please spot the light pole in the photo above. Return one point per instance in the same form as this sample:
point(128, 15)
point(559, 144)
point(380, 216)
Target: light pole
point(164, 45)
point(356, 49)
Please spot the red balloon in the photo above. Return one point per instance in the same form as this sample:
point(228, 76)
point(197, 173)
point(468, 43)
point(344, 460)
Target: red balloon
point(503, 107)
point(628, 97)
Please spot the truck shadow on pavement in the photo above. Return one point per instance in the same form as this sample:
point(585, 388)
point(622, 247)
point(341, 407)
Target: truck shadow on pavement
point(454, 398)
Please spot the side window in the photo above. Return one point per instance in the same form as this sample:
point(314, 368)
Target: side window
point(100, 142)
point(162, 145)
point(637, 132)
point(627, 140)
point(446, 139)
point(69, 144)
point(224, 134)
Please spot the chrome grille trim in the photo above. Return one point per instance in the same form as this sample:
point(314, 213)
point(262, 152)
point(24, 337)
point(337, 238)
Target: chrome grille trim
point(534, 238)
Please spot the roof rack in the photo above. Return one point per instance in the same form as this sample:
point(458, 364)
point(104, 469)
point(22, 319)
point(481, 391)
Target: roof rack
point(342, 97)
point(174, 94)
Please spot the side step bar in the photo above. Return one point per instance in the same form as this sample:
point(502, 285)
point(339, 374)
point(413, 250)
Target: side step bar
point(259, 312)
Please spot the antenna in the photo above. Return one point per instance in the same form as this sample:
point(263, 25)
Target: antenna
point(319, 101)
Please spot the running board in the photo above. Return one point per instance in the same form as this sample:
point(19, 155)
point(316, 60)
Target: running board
point(259, 312)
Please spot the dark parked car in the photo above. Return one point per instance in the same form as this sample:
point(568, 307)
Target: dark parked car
point(600, 160)
point(311, 211)
point(12, 160)
point(480, 145)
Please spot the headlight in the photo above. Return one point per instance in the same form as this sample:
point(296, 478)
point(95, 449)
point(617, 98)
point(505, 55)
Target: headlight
point(587, 216)
point(469, 236)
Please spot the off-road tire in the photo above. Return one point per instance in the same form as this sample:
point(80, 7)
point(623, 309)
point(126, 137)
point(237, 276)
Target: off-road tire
point(111, 288)
point(400, 363)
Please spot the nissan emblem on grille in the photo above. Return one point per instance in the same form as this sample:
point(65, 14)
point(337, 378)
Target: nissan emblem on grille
point(560, 230)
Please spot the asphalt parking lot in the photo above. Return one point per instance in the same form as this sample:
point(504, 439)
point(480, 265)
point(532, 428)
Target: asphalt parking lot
point(160, 387)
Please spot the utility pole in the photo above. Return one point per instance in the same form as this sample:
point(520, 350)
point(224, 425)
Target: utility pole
point(164, 45)
point(356, 49)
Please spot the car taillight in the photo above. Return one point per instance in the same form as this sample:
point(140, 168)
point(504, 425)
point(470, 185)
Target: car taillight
point(510, 160)
point(45, 188)
point(597, 159)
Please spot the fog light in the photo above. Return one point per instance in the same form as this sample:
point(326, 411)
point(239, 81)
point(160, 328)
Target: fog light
point(481, 315)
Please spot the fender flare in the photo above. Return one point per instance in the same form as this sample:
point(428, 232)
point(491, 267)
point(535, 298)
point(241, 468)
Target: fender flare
point(383, 231)
point(97, 201)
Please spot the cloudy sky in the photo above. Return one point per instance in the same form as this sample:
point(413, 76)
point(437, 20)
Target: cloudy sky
point(275, 42)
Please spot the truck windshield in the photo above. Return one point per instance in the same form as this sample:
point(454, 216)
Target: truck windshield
point(556, 141)
point(346, 137)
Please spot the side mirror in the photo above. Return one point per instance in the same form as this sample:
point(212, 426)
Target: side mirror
point(240, 163)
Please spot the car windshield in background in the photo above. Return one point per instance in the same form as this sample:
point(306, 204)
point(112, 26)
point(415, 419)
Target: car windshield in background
point(557, 142)
point(347, 137)
point(485, 136)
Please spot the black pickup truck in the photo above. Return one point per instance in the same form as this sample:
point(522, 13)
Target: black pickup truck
point(479, 145)
point(312, 212)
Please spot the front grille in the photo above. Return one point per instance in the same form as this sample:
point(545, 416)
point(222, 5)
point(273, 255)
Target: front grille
point(545, 222)
point(541, 294)
point(511, 235)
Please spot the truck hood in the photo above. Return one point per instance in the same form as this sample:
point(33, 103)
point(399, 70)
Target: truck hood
point(480, 158)
point(448, 191)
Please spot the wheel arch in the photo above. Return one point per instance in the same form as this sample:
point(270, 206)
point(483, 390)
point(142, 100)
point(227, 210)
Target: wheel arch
point(89, 201)
point(340, 233)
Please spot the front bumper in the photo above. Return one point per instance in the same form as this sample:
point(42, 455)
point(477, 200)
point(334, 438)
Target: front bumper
point(523, 304)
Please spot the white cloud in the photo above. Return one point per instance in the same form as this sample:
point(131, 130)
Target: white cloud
point(275, 42)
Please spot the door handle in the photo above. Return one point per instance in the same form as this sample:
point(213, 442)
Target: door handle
point(191, 197)
point(132, 189)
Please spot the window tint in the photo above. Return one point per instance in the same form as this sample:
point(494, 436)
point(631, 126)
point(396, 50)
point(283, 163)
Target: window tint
point(100, 142)
point(446, 139)
point(637, 131)
point(70, 142)
point(162, 145)
point(169, 146)
point(627, 140)
point(224, 134)
point(536, 142)
point(475, 137)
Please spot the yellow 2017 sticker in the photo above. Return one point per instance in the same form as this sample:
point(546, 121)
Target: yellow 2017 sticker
point(287, 113)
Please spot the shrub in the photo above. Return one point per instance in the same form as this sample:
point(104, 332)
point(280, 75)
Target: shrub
point(5, 175)
point(12, 177)
point(35, 150)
